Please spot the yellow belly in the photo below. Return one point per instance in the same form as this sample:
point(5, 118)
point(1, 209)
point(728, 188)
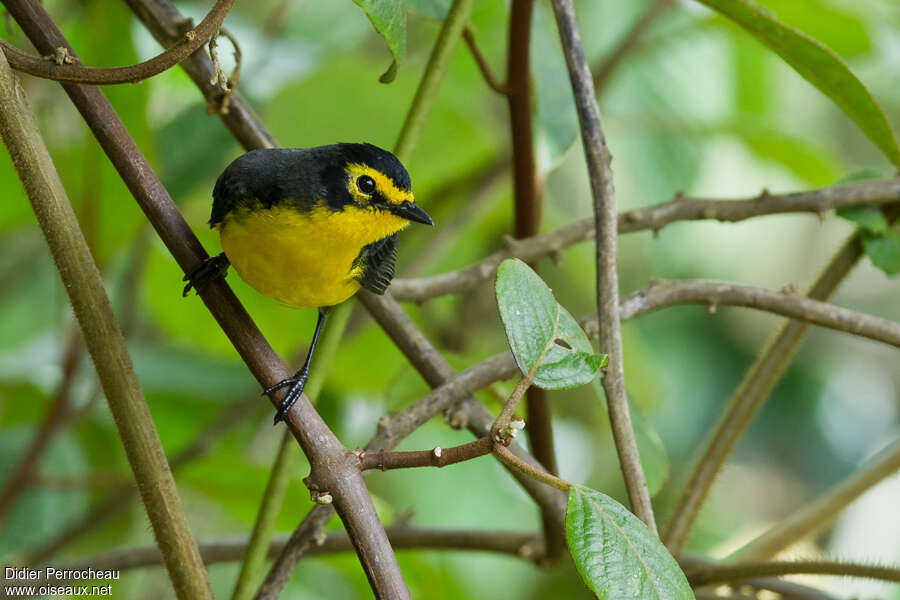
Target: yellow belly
point(305, 259)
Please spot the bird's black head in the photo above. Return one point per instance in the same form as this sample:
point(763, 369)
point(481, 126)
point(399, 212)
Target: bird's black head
point(368, 177)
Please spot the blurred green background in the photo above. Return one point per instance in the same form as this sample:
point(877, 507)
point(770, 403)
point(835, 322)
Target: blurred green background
point(698, 106)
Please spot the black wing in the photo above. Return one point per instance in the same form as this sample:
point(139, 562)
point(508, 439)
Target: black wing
point(377, 260)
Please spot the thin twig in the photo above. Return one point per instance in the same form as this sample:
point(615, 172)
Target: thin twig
point(603, 72)
point(103, 339)
point(752, 392)
point(598, 163)
point(483, 66)
point(664, 294)
point(738, 572)
point(437, 457)
point(749, 588)
point(524, 545)
point(509, 408)
point(822, 511)
point(63, 67)
point(655, 218)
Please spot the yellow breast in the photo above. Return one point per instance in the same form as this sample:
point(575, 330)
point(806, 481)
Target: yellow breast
point(303, 258)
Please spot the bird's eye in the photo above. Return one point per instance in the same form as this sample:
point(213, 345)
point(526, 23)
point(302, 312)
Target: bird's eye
point(365, 184)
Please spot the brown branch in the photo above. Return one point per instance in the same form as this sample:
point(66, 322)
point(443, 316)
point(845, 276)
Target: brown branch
point(102, 337)
point(598, 162)
point(822, 511)
point(787, 590)
point(437, 457)
point(603, 72)
point(333, 468)
point(753, 390)
point(714, 574)
point(655, 218)
point(526, 195)
point(664, 294)
point(24, 472)
point(483, 66)
point(522, 545)
point(60, 65)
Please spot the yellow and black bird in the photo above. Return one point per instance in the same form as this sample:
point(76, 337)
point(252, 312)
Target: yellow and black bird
point(309, 227)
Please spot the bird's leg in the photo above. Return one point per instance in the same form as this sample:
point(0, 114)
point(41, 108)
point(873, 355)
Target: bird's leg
point(211, 268)
point(298, 381)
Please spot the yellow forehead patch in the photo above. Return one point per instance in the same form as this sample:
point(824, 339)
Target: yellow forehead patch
point(383, 184)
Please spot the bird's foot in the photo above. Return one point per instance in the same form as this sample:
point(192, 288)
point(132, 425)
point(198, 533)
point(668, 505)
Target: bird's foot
point(211, 268)
point(296, 384)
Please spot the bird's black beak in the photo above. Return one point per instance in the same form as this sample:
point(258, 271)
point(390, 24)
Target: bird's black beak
point(412, 212)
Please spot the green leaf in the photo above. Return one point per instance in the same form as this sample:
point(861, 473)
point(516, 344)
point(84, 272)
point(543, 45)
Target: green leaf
point(654, 458)
point(615, 553)
point(389, 19)
point(869, 218)
point(541, 332)
point(884, 250)
point(817, 64)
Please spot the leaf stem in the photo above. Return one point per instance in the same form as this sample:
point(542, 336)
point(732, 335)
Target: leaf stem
point(511, 460)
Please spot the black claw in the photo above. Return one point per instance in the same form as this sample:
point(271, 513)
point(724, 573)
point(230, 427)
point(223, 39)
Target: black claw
point(296, 383)
point(211, 268)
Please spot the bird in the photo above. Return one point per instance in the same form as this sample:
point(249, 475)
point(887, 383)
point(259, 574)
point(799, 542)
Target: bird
point(309, 227)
